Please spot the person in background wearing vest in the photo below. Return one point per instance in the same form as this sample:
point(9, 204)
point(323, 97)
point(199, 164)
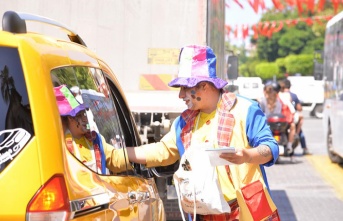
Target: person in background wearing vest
point(87, 146)
point(238, 121)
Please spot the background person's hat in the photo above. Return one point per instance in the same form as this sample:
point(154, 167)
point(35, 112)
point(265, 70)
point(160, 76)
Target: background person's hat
point(196, 64)
point(66, 102)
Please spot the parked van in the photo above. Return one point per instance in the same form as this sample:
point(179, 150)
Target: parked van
point(310, 93)
point(250, 87)
point(40, 178)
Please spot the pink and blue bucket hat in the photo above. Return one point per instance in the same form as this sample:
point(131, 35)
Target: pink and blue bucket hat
point(66, 102)
point(196, 64)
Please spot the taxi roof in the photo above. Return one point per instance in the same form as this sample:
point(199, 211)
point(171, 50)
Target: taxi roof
point(37, 47)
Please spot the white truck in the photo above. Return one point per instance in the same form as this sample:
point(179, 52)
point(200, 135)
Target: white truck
point(141, 40)
point(310, 93)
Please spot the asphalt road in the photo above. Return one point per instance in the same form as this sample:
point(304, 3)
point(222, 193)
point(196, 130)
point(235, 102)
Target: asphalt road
point(310, 187)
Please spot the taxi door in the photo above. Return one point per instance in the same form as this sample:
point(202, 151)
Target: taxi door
point(126, 191)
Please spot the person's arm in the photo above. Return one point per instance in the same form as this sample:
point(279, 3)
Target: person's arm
point(259, 155)
point(136, 155)
point(297, 102)
point(116, 159)
point(161, 153)
point(265, 150)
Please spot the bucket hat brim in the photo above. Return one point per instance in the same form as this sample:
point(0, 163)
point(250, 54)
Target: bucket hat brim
point(192, 82)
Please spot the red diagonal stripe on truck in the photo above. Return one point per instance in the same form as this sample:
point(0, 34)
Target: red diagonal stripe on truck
point(156, 82)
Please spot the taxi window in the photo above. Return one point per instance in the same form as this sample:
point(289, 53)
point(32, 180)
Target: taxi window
point(89, 88)
point(16, 126)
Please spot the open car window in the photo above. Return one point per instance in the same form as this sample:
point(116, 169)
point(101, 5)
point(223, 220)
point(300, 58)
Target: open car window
point(90, 89)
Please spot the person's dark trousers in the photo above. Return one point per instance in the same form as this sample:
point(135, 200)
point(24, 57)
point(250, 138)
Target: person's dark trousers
point(302, 139)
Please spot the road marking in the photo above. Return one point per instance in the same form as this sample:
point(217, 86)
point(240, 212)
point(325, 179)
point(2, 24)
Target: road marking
point(331, 172)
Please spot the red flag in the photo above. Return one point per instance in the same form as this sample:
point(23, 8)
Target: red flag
point(295, 22)
point(254, 4)
point(271, 29)
point(245, 31)
point(254, 28)
point(228, 30)
point(310, 5)
point(235, 32)
point(265, 28)
point(309, 21)
point(328, 17)
point(320, 5)
point(291, 2)
point(288, 23)
point(300, 7)
point(278, 5)
point(335, 4)
point(263, 5)
point(279, 27)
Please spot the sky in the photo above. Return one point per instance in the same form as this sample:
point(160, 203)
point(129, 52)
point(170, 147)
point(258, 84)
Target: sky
point(235, 15)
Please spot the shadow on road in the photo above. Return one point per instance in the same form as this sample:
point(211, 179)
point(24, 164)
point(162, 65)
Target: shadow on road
point(288, 160)
point(284, 206)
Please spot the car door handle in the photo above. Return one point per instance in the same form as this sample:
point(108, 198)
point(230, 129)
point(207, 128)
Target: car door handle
point(138, 197)
point(90, 204)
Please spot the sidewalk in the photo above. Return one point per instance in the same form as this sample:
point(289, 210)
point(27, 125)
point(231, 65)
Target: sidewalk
point(301, 193)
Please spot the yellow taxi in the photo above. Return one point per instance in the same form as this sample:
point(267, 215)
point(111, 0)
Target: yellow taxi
point(40, 178)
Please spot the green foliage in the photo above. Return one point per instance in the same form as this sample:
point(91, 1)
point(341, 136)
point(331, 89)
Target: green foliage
point(291, 49)
point(243, 70)
point(248, 70)
point(302, 64)
point(267, 70)
point(281, 64)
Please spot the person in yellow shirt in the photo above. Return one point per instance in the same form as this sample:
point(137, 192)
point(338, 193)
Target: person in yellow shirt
point(234, 120)
point(87, 146)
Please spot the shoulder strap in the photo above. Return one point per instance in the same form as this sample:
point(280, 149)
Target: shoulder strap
point(97, 143)
point(179, 124)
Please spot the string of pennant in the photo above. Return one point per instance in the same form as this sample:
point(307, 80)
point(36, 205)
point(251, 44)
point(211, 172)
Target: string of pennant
point(310, 5)
point(268, 28)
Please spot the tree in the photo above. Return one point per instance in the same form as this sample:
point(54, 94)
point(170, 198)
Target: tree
point(267, 70)
point(299, 38)
point(302, 64)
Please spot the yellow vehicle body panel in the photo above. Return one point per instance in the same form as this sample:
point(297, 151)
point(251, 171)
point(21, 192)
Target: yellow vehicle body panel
point(46, 155)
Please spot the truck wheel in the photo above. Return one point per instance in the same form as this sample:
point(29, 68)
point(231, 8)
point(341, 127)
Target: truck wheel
point(317, 111)
point(332, 155)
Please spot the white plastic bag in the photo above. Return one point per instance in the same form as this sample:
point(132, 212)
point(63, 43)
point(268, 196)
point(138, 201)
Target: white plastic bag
point(197, 185)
